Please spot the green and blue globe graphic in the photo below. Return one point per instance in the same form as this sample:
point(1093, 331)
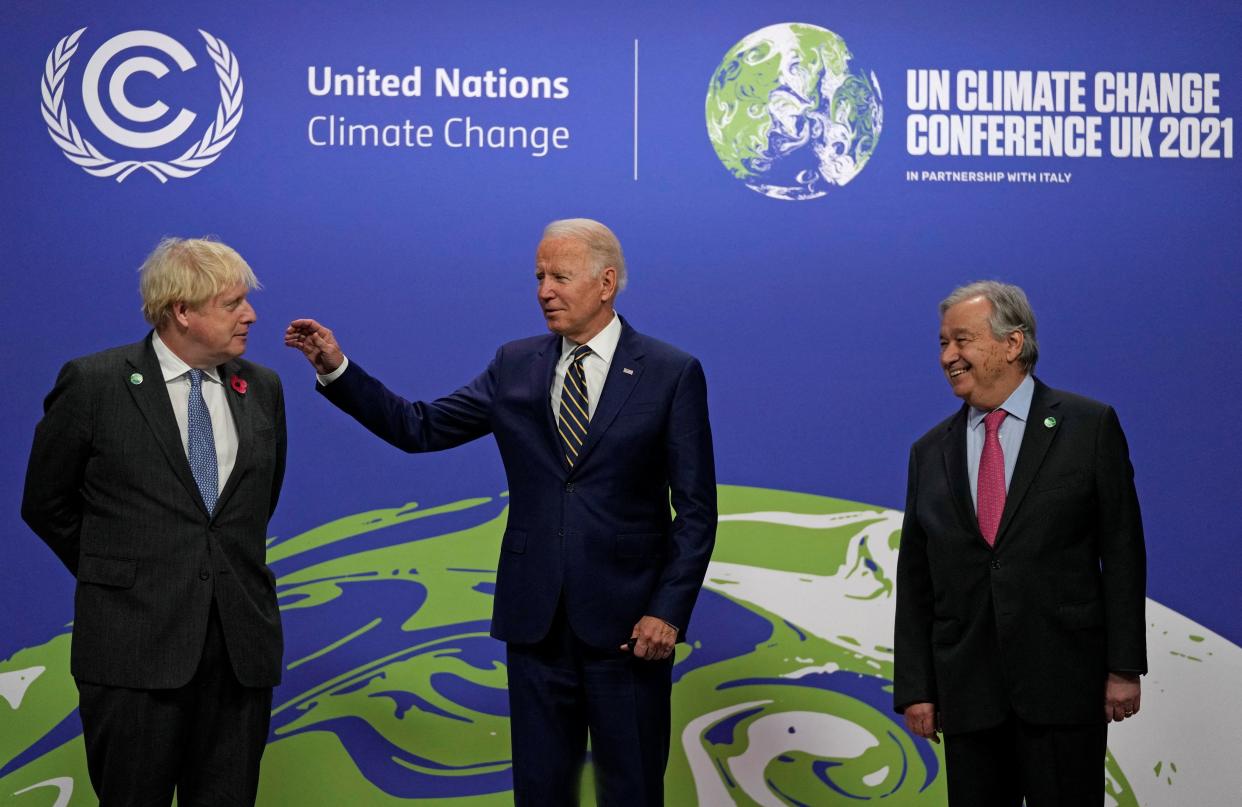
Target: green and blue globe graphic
point(788, 116)
point(395, 694)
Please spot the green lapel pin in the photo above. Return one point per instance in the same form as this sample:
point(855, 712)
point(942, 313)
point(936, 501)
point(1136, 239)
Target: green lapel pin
point(135, 378)
point(1050, 422)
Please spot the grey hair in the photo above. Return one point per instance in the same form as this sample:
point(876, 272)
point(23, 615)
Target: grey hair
point(1011, 311)
point(600, 241)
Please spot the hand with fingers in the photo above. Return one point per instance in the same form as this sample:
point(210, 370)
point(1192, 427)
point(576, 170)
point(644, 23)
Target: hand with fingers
point(317, 343)
point(922, 720)
point(652, 639)
point(1122, 694)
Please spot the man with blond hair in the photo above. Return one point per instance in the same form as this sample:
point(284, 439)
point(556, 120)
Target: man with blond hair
point(599, 428)
point(152, 477)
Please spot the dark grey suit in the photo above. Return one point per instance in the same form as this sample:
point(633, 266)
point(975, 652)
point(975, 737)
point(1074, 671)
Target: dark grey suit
point(109, 489)
point(1031, 626)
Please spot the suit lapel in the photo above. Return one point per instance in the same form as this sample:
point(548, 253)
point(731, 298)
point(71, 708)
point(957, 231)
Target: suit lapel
point(623, 375)
point(241, 412)
point(151, 398)
point(542, 372)
point(957, 472)
point(1036, 439)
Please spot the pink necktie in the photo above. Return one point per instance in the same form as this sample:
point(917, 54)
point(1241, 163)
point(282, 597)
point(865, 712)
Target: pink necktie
point(990, 496)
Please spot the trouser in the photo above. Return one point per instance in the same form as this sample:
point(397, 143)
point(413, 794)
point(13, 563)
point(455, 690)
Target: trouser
point(559, 690)
point(203, 740)
point(1051, 766)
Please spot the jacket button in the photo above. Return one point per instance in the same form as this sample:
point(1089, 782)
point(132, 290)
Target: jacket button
point(203, 575)
point(995, 563)
point(569, 487)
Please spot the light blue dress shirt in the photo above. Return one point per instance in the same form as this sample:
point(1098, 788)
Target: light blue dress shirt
point(1018, 405)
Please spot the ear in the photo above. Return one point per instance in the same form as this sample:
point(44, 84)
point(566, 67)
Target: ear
point(608, 283)
point(1013, 345)
point(181, 313)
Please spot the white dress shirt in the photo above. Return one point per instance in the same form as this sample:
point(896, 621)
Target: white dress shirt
point(223, 429)
point(595, 365)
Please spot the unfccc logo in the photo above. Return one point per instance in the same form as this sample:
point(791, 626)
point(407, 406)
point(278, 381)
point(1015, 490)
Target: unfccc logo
point(81, 152)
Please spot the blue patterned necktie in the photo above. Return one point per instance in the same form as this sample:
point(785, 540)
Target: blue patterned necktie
point(574, 417)
point(202, 443)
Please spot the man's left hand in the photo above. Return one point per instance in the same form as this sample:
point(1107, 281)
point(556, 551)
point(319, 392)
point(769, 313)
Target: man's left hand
point(653, 639)
point(1121, 696)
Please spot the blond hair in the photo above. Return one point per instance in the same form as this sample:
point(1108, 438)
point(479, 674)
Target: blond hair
point(190, 271)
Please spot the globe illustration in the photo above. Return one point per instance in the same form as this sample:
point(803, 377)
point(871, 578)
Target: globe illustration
point(787, 116)
point(394, 693)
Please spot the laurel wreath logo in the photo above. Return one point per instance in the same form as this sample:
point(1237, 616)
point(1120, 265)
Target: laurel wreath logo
point(81, 152)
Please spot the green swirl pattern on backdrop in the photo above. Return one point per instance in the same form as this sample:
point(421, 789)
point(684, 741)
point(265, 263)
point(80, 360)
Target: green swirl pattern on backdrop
point(394, 693)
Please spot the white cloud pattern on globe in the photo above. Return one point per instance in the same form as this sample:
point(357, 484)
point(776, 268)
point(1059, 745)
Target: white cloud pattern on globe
point(787, 115)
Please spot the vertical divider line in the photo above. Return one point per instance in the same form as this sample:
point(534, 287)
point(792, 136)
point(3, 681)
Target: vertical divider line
point(635, 109)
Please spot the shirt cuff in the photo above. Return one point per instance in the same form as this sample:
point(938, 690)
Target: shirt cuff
point(325, 380)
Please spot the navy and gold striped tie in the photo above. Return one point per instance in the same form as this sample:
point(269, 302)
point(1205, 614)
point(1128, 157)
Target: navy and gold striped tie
point(574, 417)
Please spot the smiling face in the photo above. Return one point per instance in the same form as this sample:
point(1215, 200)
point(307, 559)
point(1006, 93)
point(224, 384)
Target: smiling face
point(575, 303)
point(982, 370)
point(214, 332)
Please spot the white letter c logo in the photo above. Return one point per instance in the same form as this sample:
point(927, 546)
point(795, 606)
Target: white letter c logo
point(116, 89)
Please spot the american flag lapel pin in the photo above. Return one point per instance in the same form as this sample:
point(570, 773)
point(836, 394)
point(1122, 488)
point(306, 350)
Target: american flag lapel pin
point(627, 371)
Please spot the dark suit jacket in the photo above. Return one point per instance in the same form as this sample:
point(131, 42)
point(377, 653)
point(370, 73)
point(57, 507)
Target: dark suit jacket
point(109, 489)
point(600, 535)
point(1035, 624)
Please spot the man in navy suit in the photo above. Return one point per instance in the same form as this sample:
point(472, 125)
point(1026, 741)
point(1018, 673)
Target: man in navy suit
point(1021, 576)
point(597, 426)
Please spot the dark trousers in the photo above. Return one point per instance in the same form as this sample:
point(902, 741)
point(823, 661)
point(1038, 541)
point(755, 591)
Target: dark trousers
point(1051, 766)
point(559, 690)
point(204, 739)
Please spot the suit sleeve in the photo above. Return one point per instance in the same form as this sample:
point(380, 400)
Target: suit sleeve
point(1123, 554)
point(52, 501)
point(416, 426)
point(914, 676)
point(692, 484)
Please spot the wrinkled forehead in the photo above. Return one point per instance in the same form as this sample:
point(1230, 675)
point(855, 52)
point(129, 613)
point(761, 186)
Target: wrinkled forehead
point(562, 253)
point(233, 292)
point(971, 314)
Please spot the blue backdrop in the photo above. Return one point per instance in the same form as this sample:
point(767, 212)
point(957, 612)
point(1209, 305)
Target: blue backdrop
point(814, 319)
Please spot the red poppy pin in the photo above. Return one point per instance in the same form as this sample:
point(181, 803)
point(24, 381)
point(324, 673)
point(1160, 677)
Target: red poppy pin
point(238, 384)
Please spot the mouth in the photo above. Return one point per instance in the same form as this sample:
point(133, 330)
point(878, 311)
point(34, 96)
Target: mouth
point(957, 371)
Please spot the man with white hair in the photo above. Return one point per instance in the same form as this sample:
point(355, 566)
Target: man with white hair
point(152, 477)
point(1022, 571)
point(597, 426)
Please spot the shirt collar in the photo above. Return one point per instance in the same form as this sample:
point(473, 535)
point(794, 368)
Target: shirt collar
point(603, 344)
point(173, 366)
point(1018, 404)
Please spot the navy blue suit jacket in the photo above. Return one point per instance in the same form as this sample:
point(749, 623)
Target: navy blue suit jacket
point(601, 535)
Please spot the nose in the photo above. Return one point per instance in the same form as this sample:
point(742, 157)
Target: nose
point(248, 313)
point(546, 292)
point(948, 355)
